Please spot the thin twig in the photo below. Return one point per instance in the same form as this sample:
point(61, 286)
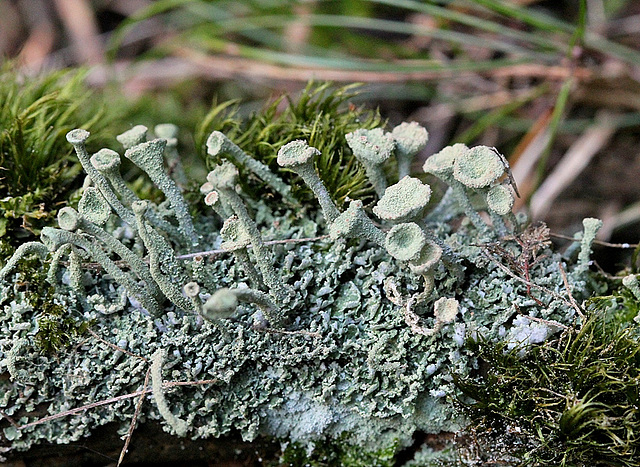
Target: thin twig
point(113, 346)
point(112, 400)
point(547, 322)
point(134, 419)
point(524, 281)
point(566, 286)
point(9, 419)
point(624, 246)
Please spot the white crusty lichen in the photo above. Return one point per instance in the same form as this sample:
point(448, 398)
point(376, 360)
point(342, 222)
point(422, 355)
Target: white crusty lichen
point(354, 332)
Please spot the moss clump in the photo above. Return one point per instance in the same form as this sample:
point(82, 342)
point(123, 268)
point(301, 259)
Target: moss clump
point(56, 328)
point(37, 172)
point(571, 401)
point(322, 116)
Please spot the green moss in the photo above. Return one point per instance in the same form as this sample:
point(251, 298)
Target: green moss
point(322, 116)
point(37, 172)
point(338, 452)
point(56, 327)
point(574, 399)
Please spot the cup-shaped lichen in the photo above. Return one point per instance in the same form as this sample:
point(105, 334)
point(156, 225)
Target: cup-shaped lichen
point(149, 157)
point(403, 201)
point(372, 148)
point(410, 139)
point(298, 156)
point(133, 137)
point(107, 162)
point(478, 167)
point(500, 200)
point(405, 241)
point(440, 164)
point(429, 256)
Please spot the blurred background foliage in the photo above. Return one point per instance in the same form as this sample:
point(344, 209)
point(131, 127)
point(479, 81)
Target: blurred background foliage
point(554, 84)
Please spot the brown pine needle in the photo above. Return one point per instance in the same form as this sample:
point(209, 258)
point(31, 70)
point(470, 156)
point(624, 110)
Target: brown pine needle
point(111, 400)
point(113, 346)
point(134, 419)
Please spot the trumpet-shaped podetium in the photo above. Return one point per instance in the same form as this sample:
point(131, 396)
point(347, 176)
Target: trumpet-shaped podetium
point(405, 241)
point(133, 137)
point(500, 200)
point(410, 138)
point(429, 256)
point(441, 163)
point(478, 167)
point(372, 148)
point(299, 156)
point(404, 201)
point(149, 157)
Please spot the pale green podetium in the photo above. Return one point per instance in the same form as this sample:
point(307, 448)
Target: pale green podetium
point(133, 137)
point(236, 240)
point(372, 148)
point(441, 165)
point(149, 157)
point(169, 131)
point(219, 145)
point(591, 227)
point(299, 156)
point(224, 178)
point(478, 167)
point(92, 215)
point(224, 302)
point(78, 138)
point(180, 426)
point(107, 162)
point(410, 138)
point(425, 263)
point(165, 270)
point(500, 200)
point(54, 239)
point(354, 223)
point(405, 241)
point(407, 201)
point(404, 201)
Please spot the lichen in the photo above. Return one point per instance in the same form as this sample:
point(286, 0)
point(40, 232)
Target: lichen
point(337, 337)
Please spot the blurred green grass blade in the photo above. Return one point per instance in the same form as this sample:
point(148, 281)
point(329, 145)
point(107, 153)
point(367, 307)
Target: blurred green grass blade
point(382, 25)
point(526, 15)
point(356, 64)
point(154, 9)
point(547, 23)
point(556, 117)
point(475, 22)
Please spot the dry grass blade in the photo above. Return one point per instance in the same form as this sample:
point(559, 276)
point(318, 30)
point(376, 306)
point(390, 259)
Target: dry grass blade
point(572, 164)
point(79, 19)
